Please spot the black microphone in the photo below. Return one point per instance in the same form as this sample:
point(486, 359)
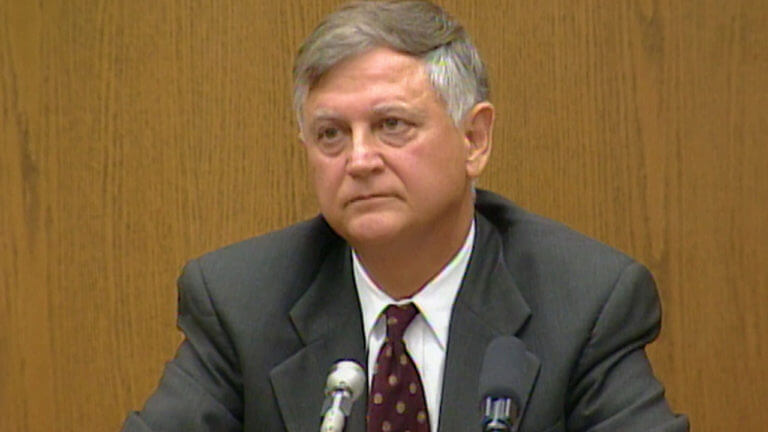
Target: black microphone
point(346, 382)
point(502, 373)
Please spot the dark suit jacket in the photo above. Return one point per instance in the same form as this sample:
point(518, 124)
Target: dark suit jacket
point(266, 318)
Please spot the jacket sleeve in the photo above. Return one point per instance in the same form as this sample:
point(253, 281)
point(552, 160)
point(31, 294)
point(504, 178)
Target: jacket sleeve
point(613, 386)
point(201, 388)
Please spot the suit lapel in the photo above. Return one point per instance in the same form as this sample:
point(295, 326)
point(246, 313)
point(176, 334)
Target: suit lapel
point(328, 320)
point(489, 304)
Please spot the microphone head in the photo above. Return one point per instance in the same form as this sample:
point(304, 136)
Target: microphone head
point(346, 375)
point(503, 369)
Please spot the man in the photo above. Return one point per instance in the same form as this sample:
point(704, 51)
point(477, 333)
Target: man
point(392, 105)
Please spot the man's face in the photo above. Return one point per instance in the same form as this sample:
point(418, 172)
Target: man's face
point(387, 159)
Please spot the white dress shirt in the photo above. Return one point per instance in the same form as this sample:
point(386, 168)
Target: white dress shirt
point(426, 337)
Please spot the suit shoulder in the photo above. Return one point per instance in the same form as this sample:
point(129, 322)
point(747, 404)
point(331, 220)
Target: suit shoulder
point(277, 256)
point(565, 277)
point(536, 245)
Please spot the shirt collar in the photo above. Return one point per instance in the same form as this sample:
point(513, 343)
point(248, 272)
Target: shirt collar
point(434, 300)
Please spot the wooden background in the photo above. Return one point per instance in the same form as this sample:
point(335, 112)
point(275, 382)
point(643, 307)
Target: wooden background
point(137, 134)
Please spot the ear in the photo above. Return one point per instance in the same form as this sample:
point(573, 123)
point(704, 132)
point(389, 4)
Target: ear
point(300, 138)
point(478, 131)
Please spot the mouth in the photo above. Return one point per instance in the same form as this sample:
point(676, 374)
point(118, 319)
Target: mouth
point(367, 197)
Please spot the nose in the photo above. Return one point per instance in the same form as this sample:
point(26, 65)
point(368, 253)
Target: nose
point(364, 157)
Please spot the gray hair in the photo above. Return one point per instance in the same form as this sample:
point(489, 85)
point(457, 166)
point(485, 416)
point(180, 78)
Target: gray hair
point(417, 28)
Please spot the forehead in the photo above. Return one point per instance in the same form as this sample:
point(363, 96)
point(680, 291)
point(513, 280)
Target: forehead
point(375, 60)
point(380, 72)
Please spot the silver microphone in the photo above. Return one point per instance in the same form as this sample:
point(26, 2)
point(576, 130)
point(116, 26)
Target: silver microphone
point(502, 374)
point(346, 382)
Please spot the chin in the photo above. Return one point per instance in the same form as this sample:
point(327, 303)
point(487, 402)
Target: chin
point(370, 230)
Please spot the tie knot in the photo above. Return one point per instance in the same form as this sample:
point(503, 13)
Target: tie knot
point(398, 319)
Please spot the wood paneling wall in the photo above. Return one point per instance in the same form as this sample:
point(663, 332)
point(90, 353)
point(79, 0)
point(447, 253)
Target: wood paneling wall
point(138, 134)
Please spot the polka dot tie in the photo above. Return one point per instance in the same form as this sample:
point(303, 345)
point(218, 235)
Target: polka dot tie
point(397, 403)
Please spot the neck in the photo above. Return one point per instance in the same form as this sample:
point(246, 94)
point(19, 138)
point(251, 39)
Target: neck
point(403, 268)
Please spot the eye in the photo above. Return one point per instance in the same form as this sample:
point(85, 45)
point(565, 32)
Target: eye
point(327, 134)
point(396, 131)
point(393, 125)
point(329, 139)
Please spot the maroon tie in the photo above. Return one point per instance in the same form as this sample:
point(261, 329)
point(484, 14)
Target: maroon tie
point(397, 403)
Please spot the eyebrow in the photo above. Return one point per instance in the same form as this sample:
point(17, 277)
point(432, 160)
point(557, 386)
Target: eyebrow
point(395, 107)
point(324, 114)
point(387, 108)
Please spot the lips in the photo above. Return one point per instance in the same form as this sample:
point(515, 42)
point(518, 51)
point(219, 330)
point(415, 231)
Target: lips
point(367, 197)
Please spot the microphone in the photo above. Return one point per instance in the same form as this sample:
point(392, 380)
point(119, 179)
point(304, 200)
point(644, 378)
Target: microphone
point(346, 382)
point(502, 373)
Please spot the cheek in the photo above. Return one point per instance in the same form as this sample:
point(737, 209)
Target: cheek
point(327, 175)
point(434, 161)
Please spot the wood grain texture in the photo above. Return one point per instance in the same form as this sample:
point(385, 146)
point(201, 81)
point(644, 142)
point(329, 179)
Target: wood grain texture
point(139, 134)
